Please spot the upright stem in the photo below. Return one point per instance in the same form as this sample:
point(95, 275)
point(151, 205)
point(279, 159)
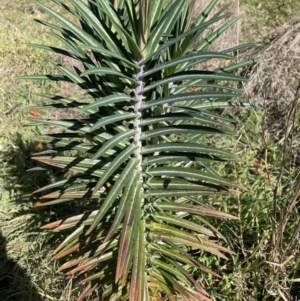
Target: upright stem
point(137, 107)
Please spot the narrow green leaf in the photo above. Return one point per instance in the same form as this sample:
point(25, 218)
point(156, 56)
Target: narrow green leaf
point(114, 165)
point(215, 34)
point(188, 147)
point(69, 194)
point(111, 143)
point(94, 22)
point(69, 238)
point(61, 183)
point(108, 100)
point(114, 192)
point(111, 54)
point(129, 229)
point(196, 117)
point(235, 66)
point(127, 195)
point(133, 291)
point(131, 43)
point(155, 11)
point(169, 268)
point(39, 204)
point(196, 75)
point(172, 206)
point(181, 184)
point(51, 77)
point(203, 268)
point(164, 26)
point(180, 37)
point(76, 30)
point(183, 193)
point(106, 71)
point(179, 157)
point(181, 289)
point(120, 28)
point(180, 130)
point(196, 57)
point(120, 115)
point(186, 241)
point(189, 173)
point(221, 105)
point(184, 223)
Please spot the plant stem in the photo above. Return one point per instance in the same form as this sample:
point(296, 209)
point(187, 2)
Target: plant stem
point(137, 106)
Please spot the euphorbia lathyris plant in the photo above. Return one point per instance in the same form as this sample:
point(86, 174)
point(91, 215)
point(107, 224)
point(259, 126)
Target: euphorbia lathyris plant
point(141, 162)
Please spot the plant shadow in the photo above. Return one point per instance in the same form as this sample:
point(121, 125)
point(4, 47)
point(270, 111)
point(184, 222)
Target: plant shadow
point(22, 220)
point(15, 284)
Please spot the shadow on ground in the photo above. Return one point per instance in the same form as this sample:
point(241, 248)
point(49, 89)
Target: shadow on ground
point(14, 282)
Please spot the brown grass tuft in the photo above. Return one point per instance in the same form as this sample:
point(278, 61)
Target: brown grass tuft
point(274, 81)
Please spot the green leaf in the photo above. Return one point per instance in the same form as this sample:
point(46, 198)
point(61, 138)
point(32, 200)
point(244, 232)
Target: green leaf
point(138, 289)
point(164, 25)
point(196, 57)
point(196, 117)
point(94, 22)
point(215, 35)
point(178, 38)
point(196, 75)
point(106, 71)
point(188, 147)
point(119, 27)
point(190, 173)
point(180, 130)
point(114, 165)
point(117, 187)
point(180, 184)
point(172, 206)
point(114, 141)
point(112, 119)
point(155, 11)
point(108, 100)
point(76, 30)
point(129, 229)
point(127, 195)
point(112, 55)
point(184, 223)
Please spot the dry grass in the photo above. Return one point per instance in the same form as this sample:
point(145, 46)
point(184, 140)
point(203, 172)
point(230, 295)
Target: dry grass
point(274, 82)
